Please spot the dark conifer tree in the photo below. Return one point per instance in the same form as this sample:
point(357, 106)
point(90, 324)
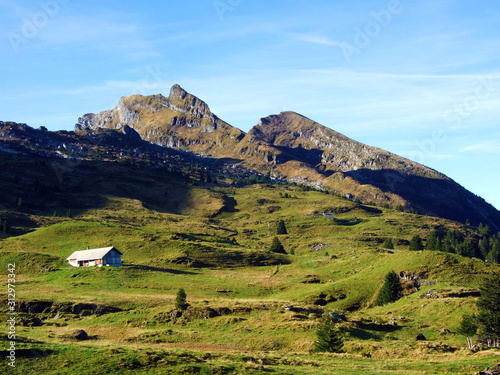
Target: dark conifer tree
point(466, 249)
point(468, 328)
point(431, 242)
point(180, 300)
point(281, 228)
point(489, 309)
point(277, 247)
point(416, 243)
point(388, 244)
point(484, 247)
point(391, 290)
point(494, 254)
point(329, 337)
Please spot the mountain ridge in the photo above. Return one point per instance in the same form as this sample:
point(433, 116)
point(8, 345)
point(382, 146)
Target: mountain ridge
point(286, 146)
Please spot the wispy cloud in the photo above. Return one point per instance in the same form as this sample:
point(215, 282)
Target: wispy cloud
point(315, 39)
point(489, 147)
point(94, 33)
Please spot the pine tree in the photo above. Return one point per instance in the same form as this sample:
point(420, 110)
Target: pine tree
point(5, 229)
point(281, 228)
point(391, 290)
point(329, 337)
point(494, 254)
point(19, 201)
point(468, 328)
point(388, 244)
point(416, 243)
point(431, 243)
point(484, 247)
point(180, 300)
point(484, 230)
point(489, 309)
point(277, 247)
point(466, 249)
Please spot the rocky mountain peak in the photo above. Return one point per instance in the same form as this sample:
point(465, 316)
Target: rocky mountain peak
point(291, 129)
point(180, 100)
point(178, 93)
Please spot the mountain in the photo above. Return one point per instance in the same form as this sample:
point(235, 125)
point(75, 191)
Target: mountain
point(292, 147)
point(180, 121)
point(180, 133)
point(371, 173)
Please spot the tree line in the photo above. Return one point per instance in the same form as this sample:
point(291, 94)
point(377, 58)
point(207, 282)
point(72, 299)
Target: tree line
point(486, 246)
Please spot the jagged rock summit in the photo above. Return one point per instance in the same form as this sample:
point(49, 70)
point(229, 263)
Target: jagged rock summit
point(292, 147)
point(180, 121)
point(334, 152)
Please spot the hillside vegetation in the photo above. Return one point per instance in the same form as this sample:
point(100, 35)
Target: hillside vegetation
point(251, 311)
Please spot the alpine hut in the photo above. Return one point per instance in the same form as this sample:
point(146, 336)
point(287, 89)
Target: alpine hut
point(106, 256)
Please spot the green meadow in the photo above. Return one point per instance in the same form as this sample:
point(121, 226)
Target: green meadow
point(215, 245)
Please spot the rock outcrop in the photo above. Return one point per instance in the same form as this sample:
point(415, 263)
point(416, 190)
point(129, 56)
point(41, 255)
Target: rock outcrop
point(180, 121)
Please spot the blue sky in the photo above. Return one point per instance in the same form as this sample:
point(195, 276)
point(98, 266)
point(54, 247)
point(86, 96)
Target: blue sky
point(417, 78)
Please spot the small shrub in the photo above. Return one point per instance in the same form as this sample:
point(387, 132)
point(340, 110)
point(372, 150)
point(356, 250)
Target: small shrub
point(180, 300)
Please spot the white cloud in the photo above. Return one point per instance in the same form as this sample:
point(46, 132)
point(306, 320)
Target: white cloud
point(488, 147)
point(315, 39)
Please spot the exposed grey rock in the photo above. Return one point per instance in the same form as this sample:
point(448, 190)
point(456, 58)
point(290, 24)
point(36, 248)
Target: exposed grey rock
point(490, 371)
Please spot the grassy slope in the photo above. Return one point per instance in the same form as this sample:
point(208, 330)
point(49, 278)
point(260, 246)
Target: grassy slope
point(138, 339)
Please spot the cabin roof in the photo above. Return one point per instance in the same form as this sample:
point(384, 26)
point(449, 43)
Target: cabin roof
point(92, 253)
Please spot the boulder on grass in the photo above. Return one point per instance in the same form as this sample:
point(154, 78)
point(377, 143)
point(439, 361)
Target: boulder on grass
point(79, 335)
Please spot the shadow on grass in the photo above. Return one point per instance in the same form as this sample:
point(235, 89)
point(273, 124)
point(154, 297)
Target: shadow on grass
point(372, 331)
point(159, 269)
point(30, 353)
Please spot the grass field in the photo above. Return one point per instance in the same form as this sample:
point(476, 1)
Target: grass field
point(214, 244)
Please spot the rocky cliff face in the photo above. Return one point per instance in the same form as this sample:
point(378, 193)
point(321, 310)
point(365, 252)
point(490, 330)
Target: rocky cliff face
point(292, 147)
point(180, 121)
point(334, 151)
